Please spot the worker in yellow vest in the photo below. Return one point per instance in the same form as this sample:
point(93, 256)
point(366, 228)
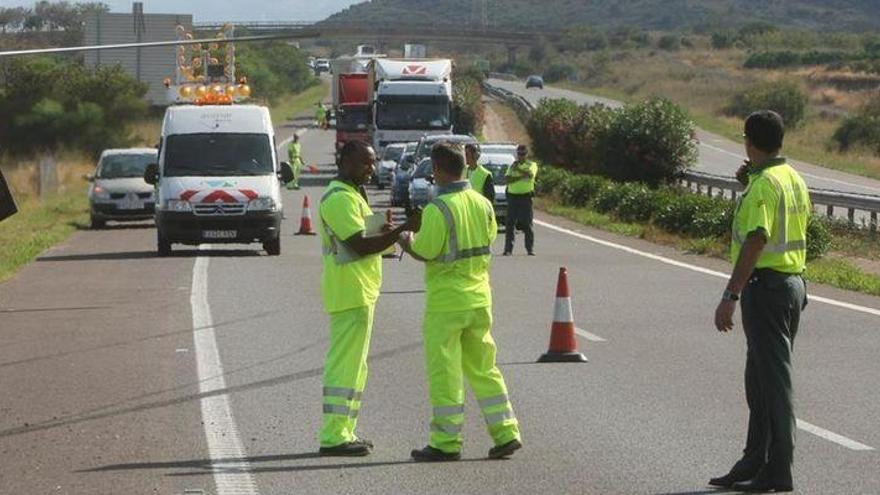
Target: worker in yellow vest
point(350, 287)
point(320, 115)
point(769, 250)
point(457, 229)
point(479, 176)
point(294, 156)
point(520, 191)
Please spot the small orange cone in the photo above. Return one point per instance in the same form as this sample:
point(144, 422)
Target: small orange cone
point(392, 253)
point(313, 169)
point(563, 343)
point(305, 224)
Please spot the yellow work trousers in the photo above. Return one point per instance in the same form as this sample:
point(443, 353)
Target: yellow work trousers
point(458, 345)
point(345, 373)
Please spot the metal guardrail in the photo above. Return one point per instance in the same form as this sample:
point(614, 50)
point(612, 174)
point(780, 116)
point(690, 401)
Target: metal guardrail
point(711, 183)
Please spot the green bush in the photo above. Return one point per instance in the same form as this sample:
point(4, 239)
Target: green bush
point(467, 107)
point(581, 190)
point(550, 180)
point(818, 237)
point(274, 69)
point(669, 42)
point(559, 72)
point(861, 129)
point(784, 97)
point(651, 142)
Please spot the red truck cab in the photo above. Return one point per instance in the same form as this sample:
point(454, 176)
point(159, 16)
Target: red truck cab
point(353, 109)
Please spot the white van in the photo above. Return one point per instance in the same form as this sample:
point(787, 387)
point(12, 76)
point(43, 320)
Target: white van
point(218, 179)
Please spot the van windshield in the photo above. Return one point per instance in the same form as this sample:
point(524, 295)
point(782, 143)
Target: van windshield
point(217, 154)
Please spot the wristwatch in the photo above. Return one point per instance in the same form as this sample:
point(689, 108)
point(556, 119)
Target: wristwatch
point(729, 295)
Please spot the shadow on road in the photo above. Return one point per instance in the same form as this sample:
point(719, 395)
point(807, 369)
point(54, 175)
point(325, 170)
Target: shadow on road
point(142, 255)
point(117, 226)
point(707, 491)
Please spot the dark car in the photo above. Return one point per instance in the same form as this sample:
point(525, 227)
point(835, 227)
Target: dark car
point(535, 82)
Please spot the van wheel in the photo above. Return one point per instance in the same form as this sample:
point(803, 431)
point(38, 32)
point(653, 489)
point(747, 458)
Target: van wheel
point(273, 246)
point(163, 246)
point(97, 223)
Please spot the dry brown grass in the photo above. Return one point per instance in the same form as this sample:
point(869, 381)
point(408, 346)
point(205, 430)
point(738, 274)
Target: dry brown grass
point(23, 176)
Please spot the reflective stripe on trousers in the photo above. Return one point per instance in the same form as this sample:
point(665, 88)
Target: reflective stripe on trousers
point(455, 253)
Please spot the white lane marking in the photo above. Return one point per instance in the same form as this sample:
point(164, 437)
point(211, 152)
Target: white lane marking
point(831, 436)
point(229, 460)
point(805, 174)
point(592, 337)
point(699, 269)
point(828, 435)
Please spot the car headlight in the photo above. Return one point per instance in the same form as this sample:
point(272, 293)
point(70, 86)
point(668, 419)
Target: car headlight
point(178, 205)
point(99, 192)
point(262, 204)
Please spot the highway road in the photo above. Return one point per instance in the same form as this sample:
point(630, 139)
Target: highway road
point(718, 155)
point(122, 372)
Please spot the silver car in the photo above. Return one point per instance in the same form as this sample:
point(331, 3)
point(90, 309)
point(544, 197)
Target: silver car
point(387, 164)
point(497, 164)
point(118, 191)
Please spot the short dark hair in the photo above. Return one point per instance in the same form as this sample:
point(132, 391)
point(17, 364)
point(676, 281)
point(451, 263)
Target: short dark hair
point(351, 148)
point(765, 129)
point(449, 158)
point(473, 148)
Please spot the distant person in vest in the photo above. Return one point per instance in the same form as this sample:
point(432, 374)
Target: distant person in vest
point(769, 251)
point(479, 176)
point(520, 190)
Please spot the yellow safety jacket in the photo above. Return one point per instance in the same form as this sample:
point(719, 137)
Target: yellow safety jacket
point(516, 185)
point(777, 203)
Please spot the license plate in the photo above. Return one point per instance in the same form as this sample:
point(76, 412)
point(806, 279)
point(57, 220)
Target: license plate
point(219, 234)
point(131, 205)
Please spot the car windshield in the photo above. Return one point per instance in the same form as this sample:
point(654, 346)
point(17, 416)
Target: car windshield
point(427, 145)
point(499, 172)
point(220, 154)
point(500, 149)
point(128, 165)
point(413, 112)
point(353, 119)
point(425, 169)
point(392, 153)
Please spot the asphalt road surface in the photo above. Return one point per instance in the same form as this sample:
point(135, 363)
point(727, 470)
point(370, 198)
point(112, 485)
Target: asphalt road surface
point(718, 155)
point(122, 372)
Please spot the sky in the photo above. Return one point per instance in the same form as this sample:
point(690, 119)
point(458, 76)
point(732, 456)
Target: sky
point(228, 10)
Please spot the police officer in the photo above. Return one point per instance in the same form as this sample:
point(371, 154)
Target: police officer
point(294, 156)
point(456, 231)
point(520, 190)
point(350, 287)
point(480, 178)
point(769, 250)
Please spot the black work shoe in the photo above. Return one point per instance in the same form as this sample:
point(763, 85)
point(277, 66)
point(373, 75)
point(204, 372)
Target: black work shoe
point(506, 253)
point(730, 478)
point(759, 485)
point(430, 454)
point(531, 253)
point(358, 448)
point(506, 450)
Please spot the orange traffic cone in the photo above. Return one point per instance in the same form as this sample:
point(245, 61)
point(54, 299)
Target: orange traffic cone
point(563, 344)
point(305, 224)
point(392, 251)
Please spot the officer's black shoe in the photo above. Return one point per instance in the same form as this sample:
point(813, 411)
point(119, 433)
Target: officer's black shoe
point(760, 485)
point(506, 450)
point(743, 470)
point(507, 253)
point(358, 448)
point(531, 253)
point(430, 454)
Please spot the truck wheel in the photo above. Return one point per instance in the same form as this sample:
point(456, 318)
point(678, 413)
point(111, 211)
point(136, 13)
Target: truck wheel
point(163, 246)
point(273, 246)
point(97, 223)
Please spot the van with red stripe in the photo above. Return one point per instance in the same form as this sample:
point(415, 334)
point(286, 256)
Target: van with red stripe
point(218, 179)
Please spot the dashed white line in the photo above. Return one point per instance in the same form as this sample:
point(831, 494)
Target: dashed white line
point(231, 468)
point(592, 337)
point(803, 425)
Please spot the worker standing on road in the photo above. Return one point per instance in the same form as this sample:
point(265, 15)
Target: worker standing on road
point(320, 115)
point(456, 231)
point(294, 156)
point(520, 191)
point(769, 249)
point(350, 286)
point(480, 178)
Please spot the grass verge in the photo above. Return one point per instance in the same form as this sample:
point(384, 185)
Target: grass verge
point(831, 270)
point(288, 107)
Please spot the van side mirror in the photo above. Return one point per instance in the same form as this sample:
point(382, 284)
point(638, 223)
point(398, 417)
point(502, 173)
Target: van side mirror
point(285, 173)
point(151, 174)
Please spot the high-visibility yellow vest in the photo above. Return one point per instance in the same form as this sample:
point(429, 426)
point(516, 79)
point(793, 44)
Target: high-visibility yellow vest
point(294, 153)
point(458, 228)
point(521, 186)
point(777, 202)
point(477, 178)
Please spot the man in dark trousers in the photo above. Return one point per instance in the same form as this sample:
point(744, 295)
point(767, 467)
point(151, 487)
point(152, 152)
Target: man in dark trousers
point(520, 190)
point(769, 250)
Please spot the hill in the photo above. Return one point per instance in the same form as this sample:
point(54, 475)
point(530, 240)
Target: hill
point(847, 15)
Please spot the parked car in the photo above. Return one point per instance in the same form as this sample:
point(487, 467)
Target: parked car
point(498, 149)
point(421, 188)
point(390, 157)
point(535, 82)
point(118, 191)
point(322, 65)
point(423, 150)
point(498, 163)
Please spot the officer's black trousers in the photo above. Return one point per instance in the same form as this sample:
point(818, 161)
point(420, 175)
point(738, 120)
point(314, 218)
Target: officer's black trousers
point(519, 214)
point(771, 310)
